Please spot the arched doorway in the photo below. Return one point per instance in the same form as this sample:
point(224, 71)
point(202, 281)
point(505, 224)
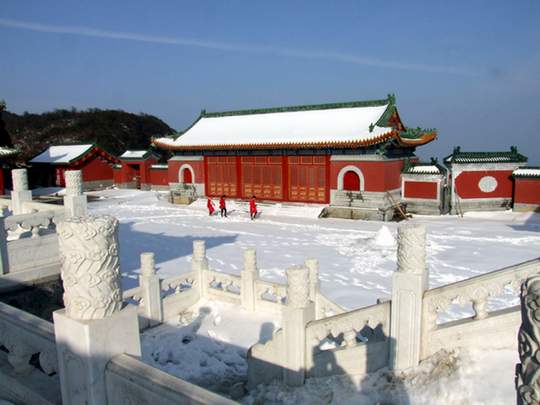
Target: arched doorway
point(186, 176)
point(351, 181)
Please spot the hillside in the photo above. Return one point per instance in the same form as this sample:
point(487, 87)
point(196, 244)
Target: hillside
point(114, 130)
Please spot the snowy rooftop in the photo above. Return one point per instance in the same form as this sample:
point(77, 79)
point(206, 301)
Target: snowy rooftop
point(61, 153)
point(424, 169)
point(295, 126)
point(527, 172)
point(5, 151)
point(134, 154)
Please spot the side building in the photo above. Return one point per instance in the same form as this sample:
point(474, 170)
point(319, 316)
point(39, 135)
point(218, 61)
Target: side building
point(48, 168)
point(482, 181)
point(348, 155)
point(424, 188)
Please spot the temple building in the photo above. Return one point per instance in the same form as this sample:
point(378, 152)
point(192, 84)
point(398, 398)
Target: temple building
point(48, 167)
point(348, 155)
point(482, 181)
point(139, 169)
point(527, 189)
point(424, 188)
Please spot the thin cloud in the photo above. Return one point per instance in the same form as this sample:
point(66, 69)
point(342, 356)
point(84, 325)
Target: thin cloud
point(223, 46)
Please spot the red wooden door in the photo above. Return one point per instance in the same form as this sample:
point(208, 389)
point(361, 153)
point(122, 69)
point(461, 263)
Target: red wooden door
point(351, 181)
point(261, 177)
point(186, 175)
point(307, 178)
point(222, 176)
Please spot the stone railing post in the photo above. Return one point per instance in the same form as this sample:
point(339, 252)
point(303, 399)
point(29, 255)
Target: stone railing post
point(93, 327)
point(314, 283)
point(408, 285)
point(249, 275)
point(4, 263)
point(296, 314)
point(528, 371)
point(199, 265)
point(20, 193)
point(74, 200)
point(151, 290)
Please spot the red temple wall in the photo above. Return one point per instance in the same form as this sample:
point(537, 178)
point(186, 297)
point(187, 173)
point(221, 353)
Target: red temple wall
point(174, 167)
point(379, 176)
point(159, 177)
point(467, 184)
point(95, 169)
point(527, 191)
point(420, 189)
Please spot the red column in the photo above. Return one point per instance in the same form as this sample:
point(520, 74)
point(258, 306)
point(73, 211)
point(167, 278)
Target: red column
point(285, 177)
point(327, 185)
point(205, 161)
point(239, 180)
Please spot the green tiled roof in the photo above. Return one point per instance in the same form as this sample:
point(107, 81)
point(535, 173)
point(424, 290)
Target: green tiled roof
point(512, 156)
point(527, 172)
point(390, 100)
point(420, 168)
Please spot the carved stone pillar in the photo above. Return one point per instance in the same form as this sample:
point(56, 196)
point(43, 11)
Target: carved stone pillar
point(19, 178)
point(75, 203)
point(528, 371)
point(297, 313)
point(314, 284)
point(199, 265)
point(249, 275)
point(151, 290)
point(93, 327)
point(90, 267)
point(408, 285)
point(20, 193)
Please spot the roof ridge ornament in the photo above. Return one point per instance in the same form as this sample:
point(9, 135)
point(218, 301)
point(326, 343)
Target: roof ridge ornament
point(391, 99)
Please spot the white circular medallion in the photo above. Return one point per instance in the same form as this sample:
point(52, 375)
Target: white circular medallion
point(487, 184)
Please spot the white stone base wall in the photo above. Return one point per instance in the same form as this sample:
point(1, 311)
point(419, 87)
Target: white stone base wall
point(526, 207)
point(130, 184)
point(199, 188)
point(422, 206)
point(481, 204)
point(97, 184)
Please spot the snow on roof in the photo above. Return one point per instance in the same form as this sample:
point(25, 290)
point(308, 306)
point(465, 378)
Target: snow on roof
point(5, 151)
point(427, 169)
point(61, 153)
point(527, 172)
point(133, 154)
point(351, 124)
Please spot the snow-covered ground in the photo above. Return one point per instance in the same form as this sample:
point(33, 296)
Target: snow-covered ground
point(357, 259)
point(356, 262)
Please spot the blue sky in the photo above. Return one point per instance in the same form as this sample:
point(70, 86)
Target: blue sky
point(471, 69)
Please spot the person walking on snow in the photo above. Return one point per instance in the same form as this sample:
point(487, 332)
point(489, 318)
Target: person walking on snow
point(223, 206)
point(210, 206)
point(252, 207)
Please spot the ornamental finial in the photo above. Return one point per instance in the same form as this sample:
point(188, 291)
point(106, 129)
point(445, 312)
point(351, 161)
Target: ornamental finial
point(391, 98)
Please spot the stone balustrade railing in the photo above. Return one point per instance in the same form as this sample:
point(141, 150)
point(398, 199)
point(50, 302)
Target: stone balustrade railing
point(475, 291)
point(27, 338)
point(325, 307)
point(32, 225)
point(176, 294)
point(346, 330)
point(222, 286)
point(130, 381)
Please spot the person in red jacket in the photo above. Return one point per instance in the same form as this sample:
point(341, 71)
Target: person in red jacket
point(252, 207)
point(223, 206)
point(210, 206)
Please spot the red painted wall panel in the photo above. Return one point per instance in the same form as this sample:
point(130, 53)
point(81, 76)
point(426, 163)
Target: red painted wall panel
point(95, 169)
point(196, 165)
point(466, 184)
point(159, 177)
point(117, 176)
point(527, 191)
point(378, 175)
point(420, 189)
